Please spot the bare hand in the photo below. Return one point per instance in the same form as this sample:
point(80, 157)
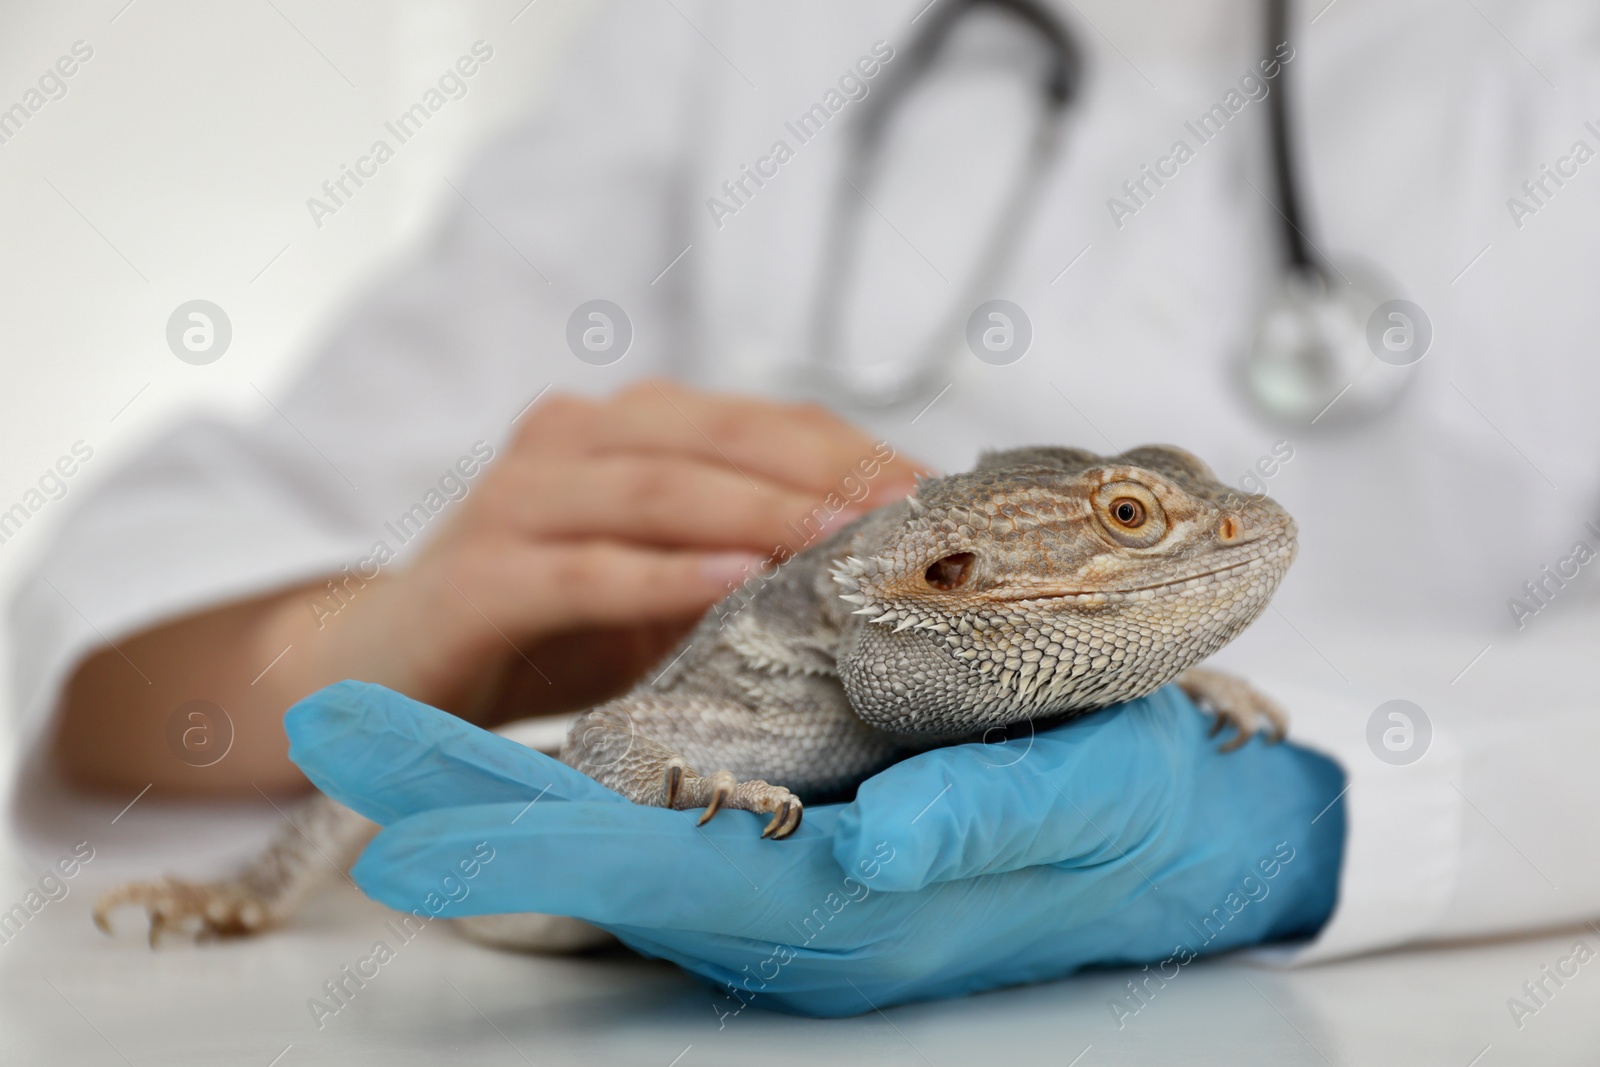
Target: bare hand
point(575, 562)
point(606, 527)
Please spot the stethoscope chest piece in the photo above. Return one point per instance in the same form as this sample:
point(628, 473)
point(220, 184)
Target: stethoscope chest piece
point(1332, 349)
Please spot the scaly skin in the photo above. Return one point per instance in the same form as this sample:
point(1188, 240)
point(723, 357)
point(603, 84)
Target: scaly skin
point(1007, 594)
point(1044, 584)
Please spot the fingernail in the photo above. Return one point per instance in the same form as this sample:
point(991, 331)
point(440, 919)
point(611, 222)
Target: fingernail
point(843, 517)
point(889, 492)
point(729, 568)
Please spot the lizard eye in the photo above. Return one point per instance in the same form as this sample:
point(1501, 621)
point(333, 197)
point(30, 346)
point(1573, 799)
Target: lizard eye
point(1128, 512)
point(951, 572)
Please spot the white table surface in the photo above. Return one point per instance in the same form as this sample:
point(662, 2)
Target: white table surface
point(68, 995)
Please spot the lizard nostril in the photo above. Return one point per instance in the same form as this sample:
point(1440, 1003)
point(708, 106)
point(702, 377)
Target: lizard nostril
point(1229, 530)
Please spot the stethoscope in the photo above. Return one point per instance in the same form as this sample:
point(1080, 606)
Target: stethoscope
point(1330, 345)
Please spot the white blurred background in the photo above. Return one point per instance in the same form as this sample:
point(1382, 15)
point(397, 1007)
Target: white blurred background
point(177, 166)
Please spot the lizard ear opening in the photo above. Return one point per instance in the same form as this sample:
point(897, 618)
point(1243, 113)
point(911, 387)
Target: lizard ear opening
point(951, 572)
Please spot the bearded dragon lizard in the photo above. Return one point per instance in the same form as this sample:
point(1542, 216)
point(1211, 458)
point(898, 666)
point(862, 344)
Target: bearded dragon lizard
point(1044, 584)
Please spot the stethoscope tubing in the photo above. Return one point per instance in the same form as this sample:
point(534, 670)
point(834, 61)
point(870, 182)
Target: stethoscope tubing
point(1297, 251)
point(1284, 382)
point(862, 160)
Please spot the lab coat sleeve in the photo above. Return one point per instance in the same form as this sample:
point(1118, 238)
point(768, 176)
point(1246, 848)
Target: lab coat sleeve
point(429, 369)
point(1403, 827)
point(1489, 832)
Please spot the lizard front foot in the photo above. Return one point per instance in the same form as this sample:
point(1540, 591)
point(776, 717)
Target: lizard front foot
point(685, 789)
point(1234, 702)
point(205, 910)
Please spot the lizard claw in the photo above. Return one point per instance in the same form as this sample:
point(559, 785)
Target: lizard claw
point(786, 821)
point(1238, 740)
point(677, 769)
point(1233, 702)
point(714, 792)
point(723, 784)
point(203, 911)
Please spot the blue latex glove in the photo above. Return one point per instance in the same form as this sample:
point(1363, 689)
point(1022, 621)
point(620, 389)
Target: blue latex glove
point(1124, 837)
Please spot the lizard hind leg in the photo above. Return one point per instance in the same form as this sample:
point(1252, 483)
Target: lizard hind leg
point(1234, 702)
point(322, 839)
point(611, 746)
point(204, 910)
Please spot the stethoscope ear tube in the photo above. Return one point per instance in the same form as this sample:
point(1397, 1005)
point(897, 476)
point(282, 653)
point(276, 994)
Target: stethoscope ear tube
point(1061, 81)
point(846, 385)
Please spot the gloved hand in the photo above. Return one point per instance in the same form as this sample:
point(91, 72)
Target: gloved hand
point(1124, 837)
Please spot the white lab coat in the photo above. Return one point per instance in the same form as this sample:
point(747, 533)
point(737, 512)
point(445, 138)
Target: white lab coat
point(1417, 122)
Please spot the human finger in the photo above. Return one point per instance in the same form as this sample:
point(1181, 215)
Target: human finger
point(553, 586)
point(388, 756)
point(1092, 792)
point(604, 863)
point(803, 446)
point(810, 444)
point(664, 499)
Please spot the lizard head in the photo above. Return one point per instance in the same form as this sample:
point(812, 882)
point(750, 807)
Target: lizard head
point(1049, 581)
